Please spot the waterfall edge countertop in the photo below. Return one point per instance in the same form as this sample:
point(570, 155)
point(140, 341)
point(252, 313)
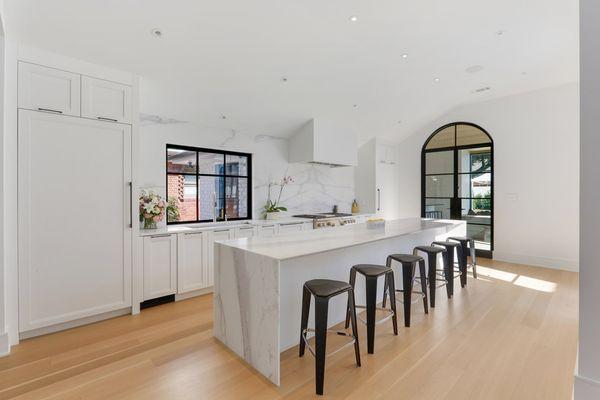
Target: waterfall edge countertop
point(298, 244)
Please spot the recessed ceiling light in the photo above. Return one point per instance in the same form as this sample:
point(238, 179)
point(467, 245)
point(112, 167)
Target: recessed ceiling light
point(436, 79)
point(354, 105)
point(353, 18)
point(523, 73)
point(404, 55)
point(500, 32)
point(223, 117)
point(156, 32)
point(399, 122)
point(284, 79)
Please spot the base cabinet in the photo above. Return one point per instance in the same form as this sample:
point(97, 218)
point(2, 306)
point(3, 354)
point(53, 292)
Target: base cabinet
point(192, 262)
point(160, 266)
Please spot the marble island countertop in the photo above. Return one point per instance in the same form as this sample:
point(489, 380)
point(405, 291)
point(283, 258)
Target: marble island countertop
point(292, 245)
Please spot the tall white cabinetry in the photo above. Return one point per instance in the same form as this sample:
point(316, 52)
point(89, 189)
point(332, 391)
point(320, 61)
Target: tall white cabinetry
point(377, 179)
point(74, 203)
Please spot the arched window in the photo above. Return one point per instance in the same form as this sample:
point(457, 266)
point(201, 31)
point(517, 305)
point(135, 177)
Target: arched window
point(458, 180)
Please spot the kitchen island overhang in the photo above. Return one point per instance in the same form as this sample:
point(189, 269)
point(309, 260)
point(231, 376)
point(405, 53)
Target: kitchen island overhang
point(258, 281)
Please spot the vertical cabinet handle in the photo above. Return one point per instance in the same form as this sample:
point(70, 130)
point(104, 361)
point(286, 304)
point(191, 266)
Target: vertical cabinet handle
point(131, 204)
point(378, 199)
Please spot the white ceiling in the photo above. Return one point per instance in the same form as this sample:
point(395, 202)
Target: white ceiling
point(229, 57)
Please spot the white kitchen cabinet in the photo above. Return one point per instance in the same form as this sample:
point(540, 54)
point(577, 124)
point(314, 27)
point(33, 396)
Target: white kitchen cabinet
point(160, 266)
point(245, 232)
point(74, 239)
point(48, 89)
point(105, 100)
point(291, 227)
point(267, 230)
point(307, 226)
point(192, 262)
point(376, 179)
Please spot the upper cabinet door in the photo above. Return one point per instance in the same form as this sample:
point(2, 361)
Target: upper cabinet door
point(105, 100)
point(48, 89)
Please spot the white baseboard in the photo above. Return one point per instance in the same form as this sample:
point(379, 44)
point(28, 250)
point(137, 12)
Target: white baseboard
point(586, 388)
point(193, 293)
point(4, 344)
point(73, 324)
point(554, 263)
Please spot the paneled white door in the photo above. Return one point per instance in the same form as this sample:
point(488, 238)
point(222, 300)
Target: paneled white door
point(192, 270)
point(160, 266)
point(74, 214)
point(105, 100)
point(49, 89)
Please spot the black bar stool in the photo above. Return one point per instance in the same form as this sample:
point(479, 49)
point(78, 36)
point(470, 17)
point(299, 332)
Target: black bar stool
point(446, 276)
point(409, 264)
point(462, 272)
point(466, 244)
point(323, 290)
point(371, 273)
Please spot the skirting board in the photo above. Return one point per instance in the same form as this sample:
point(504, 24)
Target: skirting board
point(586, 388)
point(193, 293)
point(4, 345)
point(554, 263)
point(73, 324)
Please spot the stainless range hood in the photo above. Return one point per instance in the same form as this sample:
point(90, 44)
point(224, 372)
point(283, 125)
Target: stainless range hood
point(323, 142)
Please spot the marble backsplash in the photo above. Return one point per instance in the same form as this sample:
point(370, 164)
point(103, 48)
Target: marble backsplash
point(316, 188)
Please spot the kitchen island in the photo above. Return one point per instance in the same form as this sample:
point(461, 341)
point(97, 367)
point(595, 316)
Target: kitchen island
point(258, 281)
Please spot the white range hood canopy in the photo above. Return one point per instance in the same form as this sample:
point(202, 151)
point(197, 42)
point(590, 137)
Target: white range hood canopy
point(324, 142)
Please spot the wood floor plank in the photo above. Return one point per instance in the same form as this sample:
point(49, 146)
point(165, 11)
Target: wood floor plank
point(512, 334)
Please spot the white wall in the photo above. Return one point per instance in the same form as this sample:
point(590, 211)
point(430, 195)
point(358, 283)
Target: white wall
point(536, 181)
point(316, 188)
point(4, 347)
point(587, 380)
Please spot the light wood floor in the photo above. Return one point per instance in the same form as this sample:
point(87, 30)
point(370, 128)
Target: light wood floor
point(509, 335)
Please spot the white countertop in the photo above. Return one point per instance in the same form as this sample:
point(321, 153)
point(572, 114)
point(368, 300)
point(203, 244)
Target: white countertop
point(211, 226)
point(291, 245)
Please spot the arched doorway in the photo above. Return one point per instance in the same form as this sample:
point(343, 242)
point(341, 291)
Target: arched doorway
point(458, 180)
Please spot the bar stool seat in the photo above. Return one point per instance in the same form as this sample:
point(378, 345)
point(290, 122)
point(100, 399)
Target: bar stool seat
point(371, 272)
point(323, 290)
point(327, 287)
point(429, 249)
point(466, 244)
point(405, 258)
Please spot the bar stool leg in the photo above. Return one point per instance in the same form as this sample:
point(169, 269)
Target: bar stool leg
point(407, 283)
point(304, 322)
point(371, 287)
point(462, 265)
point(473, 259)
point(431, 263)
point(388, 263)
point(448, 260)
point(354, 325)
point(349, 309)
point(321, 309)
point(423, 276)
point(392, 288)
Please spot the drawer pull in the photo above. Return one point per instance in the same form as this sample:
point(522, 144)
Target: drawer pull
point(49, 110)
point(107, 119)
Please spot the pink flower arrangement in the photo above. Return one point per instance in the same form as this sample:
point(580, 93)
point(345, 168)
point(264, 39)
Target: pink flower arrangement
point(152, 209)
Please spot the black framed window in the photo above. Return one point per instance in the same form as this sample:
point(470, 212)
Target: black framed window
point(207, 184)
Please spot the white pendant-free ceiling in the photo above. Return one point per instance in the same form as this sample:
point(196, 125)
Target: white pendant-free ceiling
point(271, 65)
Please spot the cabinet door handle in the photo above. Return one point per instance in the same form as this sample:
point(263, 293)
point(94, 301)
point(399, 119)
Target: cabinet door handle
point(159, 236)
point(378, 199)
point(107, 119)
point(131, 204)
point(49, 110)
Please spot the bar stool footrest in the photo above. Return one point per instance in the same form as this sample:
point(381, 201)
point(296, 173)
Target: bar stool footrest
point(331, 331)
point(380, 321)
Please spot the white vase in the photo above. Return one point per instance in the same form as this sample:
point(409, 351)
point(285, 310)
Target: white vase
point(275, 215)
